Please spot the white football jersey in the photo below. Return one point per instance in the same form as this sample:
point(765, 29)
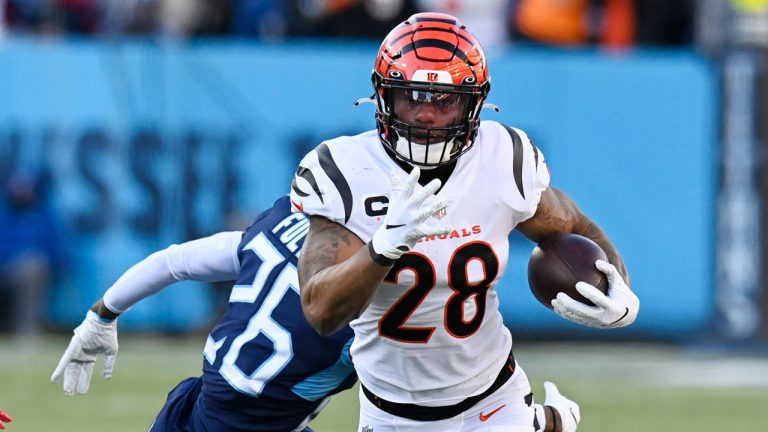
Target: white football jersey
point(432, 334)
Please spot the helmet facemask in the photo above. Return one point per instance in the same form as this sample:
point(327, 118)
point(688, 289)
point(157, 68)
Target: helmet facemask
point(425, 145)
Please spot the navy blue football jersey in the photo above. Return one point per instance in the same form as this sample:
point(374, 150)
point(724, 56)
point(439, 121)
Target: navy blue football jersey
point(265, 368)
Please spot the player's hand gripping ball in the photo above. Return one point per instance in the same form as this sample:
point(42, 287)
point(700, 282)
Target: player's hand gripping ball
point(559, 262)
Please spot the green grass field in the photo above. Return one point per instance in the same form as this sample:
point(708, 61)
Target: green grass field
point(627, 388)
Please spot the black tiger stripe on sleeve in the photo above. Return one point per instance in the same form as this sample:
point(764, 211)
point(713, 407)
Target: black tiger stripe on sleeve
point(307, 175)
point(334, 173)
point(517, 155)
point(535, 154)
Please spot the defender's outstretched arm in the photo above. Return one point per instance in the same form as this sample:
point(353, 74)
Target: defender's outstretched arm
point(209, 259)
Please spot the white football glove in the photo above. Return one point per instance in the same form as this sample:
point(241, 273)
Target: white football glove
point(570, 415)
point(91, 338)
point(618, 309)
point(405, 222)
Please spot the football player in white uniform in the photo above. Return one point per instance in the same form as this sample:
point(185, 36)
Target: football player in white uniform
point(409, 235)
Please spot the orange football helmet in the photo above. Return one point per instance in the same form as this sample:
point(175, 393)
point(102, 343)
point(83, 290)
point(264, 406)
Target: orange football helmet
point(430, 58)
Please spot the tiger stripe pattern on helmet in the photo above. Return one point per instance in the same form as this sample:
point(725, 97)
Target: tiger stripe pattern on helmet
point(430, 54)
point(433, 37)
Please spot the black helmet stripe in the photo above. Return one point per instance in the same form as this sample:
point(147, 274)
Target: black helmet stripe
point(437, 29)
point(442, 20)
point(334, 173)
point(435, 43)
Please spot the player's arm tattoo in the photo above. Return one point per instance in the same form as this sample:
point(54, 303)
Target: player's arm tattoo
point(557, 213)
point(337, 276)
point(323, 246)
point(553, 216)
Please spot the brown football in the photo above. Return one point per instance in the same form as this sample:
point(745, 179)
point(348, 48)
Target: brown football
point(558, 262)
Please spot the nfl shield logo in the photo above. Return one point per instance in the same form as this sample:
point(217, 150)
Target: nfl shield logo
point(439, 214)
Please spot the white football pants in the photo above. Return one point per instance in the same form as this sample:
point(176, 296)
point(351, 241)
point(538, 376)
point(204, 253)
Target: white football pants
point(504, 410)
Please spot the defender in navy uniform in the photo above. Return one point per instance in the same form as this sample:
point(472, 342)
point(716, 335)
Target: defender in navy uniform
point(265, 368)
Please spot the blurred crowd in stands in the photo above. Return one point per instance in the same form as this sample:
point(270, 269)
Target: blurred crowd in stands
point(32, 251)
point(614, 23)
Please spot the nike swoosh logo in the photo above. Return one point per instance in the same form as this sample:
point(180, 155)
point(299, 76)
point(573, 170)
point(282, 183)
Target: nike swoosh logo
point(388, 226)
point(626, 312)
point(485, 417)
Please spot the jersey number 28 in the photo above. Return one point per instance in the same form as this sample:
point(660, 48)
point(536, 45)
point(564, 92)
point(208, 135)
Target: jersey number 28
point(392, 324)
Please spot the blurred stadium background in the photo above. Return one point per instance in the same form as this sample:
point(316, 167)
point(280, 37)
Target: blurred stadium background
point(127, 125)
